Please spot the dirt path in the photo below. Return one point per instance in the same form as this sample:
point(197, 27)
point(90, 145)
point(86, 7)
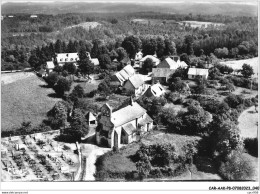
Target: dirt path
point(248, 123)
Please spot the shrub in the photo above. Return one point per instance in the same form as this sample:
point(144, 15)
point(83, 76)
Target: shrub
point(251, 145)
point(155, 173)
point(233, 100)
point(237, 167)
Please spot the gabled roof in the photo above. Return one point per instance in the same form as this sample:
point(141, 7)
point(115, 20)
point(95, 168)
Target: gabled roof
point(49, 65)
point(145, 120)
point(127, 114)
point(182, 64)
point(155, 90)
point(198, 71)
point(90, 116)
point(162, 72)
point(136, 80)
point(168, 63)
point(129, 128)
point(125, 73)
point(154, 59)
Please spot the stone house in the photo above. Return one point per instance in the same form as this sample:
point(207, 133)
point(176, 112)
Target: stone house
point(135, 85)
point(123, 125)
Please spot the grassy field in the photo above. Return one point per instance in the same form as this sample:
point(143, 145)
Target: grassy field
point(25, 100)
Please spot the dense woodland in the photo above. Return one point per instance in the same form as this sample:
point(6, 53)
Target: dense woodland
point(22, 36)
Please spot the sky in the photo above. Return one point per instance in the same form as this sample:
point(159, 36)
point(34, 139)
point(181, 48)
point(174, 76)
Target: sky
point(253, 2)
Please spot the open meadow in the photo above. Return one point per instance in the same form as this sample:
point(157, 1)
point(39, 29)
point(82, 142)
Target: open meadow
point(24, 99)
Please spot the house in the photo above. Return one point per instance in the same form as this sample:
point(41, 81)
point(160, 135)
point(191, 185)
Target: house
point(63, 58)
point(155, 90)
point(135, 85)
point(123, 75)
point(42, 73)
point(194, 72)
point(95, 61)
point(161, 74)
point(33, 16)
point(4, 152)
point(91, 119)
point(168, 63)
point(122, 126)
point(155, 60)
point(49, 66)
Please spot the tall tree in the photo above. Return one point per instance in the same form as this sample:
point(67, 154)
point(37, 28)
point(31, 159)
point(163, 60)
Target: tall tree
point(132, 44)
point(170, 47)
point(85, 65)
point(58, 46)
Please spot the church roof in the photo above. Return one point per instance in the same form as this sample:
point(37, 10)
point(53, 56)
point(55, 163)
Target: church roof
point(136, 80)
point(129, 128)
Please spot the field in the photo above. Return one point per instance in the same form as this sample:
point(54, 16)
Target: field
point(24, 99)
point(85, 25)
point(195, 24)
point(237, 64)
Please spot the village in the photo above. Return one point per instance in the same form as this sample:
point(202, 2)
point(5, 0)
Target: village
point(136, 93)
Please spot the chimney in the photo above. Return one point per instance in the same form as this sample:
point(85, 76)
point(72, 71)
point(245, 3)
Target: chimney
point(131, 101)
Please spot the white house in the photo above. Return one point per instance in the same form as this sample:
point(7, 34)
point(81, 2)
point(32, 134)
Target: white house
point(155, 90)
point(123, 75)
point(63, 58)
point(155, 60)
point(138, 56)
point(161, 74)
point(194, 72)
point(122, 126)
point(135, 85)
point(33, 16)
point(168, 63)
point(49, 66)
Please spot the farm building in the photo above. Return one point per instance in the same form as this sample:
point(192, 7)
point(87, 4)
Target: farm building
point(155, 60)
point(91, 119)
point(135, 85)
point(155, 90)
point(63, 58)
point(123, 75)
point(194, 72)
point(122, 126)
point(49, 66)
point(161, 74)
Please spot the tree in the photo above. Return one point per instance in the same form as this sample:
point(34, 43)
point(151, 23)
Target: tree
point(52, 79)
point(104, 61)
point(247, 71)
point(85, 65)
point(58, 46)
point(160, 46)
point(177, 85)
point(34, 62)
point(132, 44)
point(149, 46)
point(70, 68)
point(221, 52)
point(104, 88)
point(233, 100)
point(78, 91)
point(170, 47)
point(147, 66)
point(121, 53)
point(71, 47)
point(63, 85)
point(184, 57)
point(189, 40)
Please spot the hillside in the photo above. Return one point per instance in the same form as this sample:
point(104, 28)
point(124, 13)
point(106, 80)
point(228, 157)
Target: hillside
point(236, 9)
point(24, 100)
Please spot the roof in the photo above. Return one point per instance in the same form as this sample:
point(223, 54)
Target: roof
point(95, 61)
point(168, 63)
point(127, 114)
point(90, 116)
point(136, 80)
point(129, 128)
point(154, 59)
point(139, 55)
point(155, 90)
point(197, 71)
point(162, 72)
point(182, 64)
point(125, 73)
point(145, 120)
point(50, 65)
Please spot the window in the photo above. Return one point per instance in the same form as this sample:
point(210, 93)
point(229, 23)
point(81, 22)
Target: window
point(71, 59)
point(66, 59)
point(61, 59)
